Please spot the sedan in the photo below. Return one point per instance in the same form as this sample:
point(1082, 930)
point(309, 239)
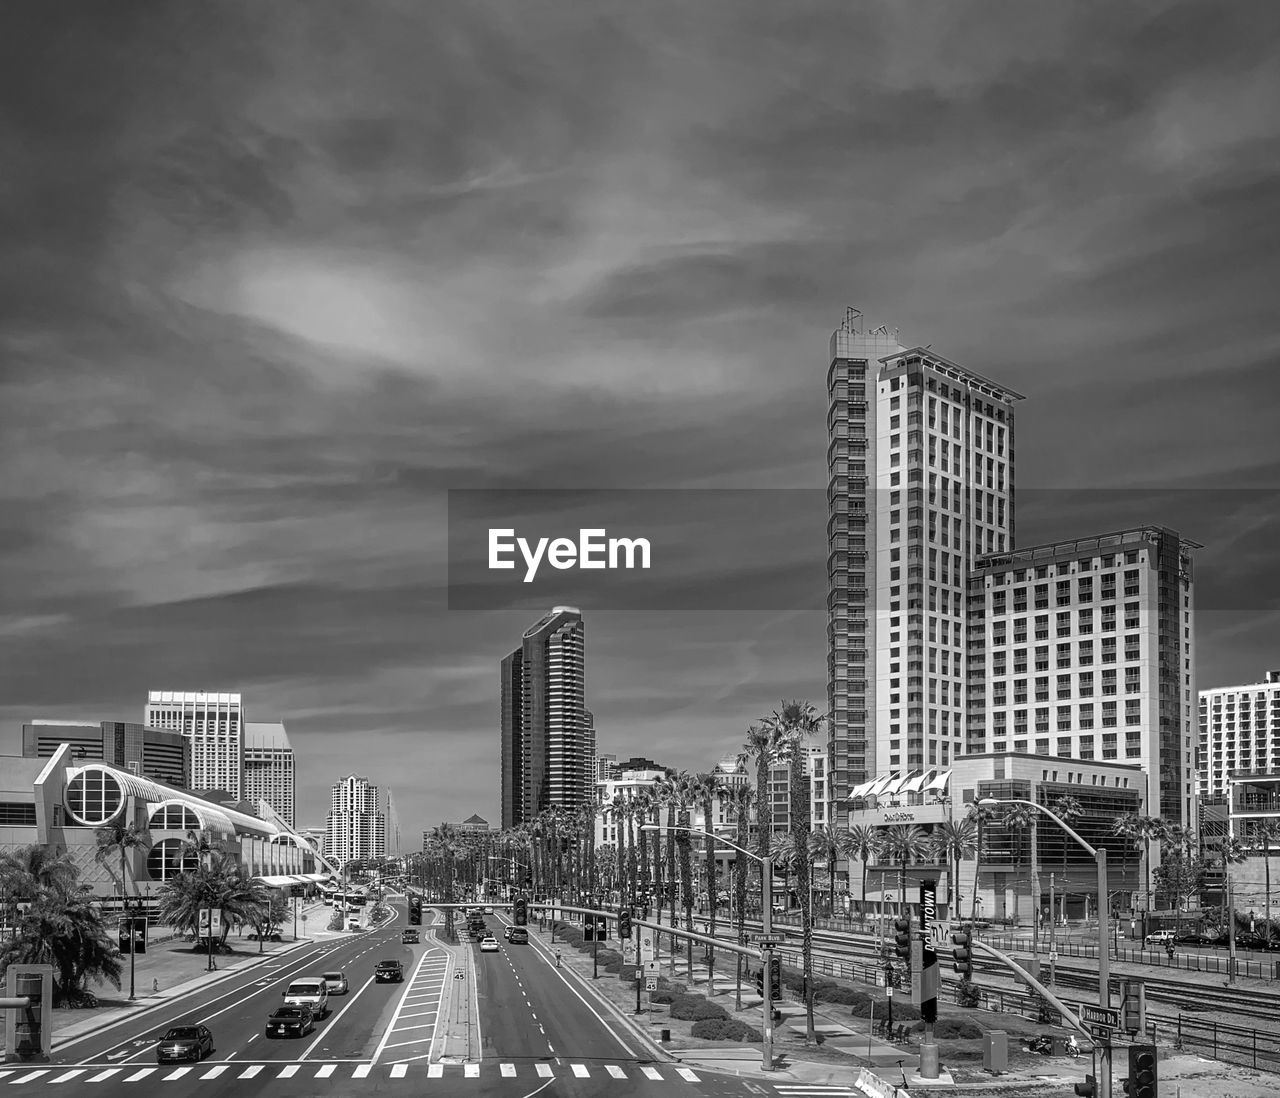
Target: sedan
point(489, 944)
point(388, 972)
point(184, 1043)
point(290, 1021)
point(336, 982)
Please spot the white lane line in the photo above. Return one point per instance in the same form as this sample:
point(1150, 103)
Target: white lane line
point(470, 1071)
point(100, 1076)
point(545, 1072)
point(435, 1071)
point(177, 1074)
point(508, 1070)
point(386, 1037)
point(362, 1071)
point(249, 1073)
point(214, 1073)
point(398, 1071)
point(651, 1073)
point(321, 1036)
point(687, 1075)
point(615, 1071)
point(67, 1076)
point(29, 1077)
point(289, 1072)
point(420, 1014)
point(140, 1075)
point(425, 1025)
point(580, 1070)
point(326, 1071)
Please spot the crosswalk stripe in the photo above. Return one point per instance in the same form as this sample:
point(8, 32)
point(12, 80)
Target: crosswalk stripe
point(177, 1074)
point(96, 1078)
point(326, 1071)
point(248, 1073)
point(362, 1071)
point(289, 1072)
point(67, 1076)
point(435, 1071)
point(651, 1073)
point(508, 1071)
point(687, 1075)
point(544, 1071)
point(398, 1070)
point(580, 1070)
point(213, 1073)
point(616, 1071)
point(31, 1075)
point(140, 1075)
point(471, 1071)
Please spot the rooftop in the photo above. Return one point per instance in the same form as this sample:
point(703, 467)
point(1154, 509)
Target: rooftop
point(985, 385)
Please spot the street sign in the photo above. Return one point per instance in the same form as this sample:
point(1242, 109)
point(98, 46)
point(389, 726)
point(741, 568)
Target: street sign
point(1102, 1016)
point(770, 943)
point(646, 948)
point(651, 983)
point(1101, 1034)
point(651, 966)
point(1053, 957)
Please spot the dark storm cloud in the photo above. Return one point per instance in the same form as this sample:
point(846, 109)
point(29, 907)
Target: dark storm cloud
point(279, 277)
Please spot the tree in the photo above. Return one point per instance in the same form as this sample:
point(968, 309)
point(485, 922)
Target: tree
point(864, 844)
point(119, 839)
point(830, 847)
point(445, 844)
point(221, 884)
point(64, 929)
point(1130, 828)
point(739, 800)
point(30, 868)
point(1269, 833)
point(904, 845)
point(1018, 819)
point(761, 746)
point(981, 815)
point(955, 841)
point(705, 788)
point(683, 791)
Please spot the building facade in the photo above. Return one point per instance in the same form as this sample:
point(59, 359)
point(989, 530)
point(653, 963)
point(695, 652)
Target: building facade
point(547, 737)
point(1239, 733)
point(269, 768)
point(1084, 650)
point(214, 724)
point(149, 752)
point(356, 827)
point(920, 462)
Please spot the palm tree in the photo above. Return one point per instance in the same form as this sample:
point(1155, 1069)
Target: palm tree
point(981, 815)
point(31, 868)
point(864, 844)
point(1130, 829)
point(1018, 819)
point(829, 847)
point(1155, 829)
point(904, 845)
point(444, 843)
point(202, 844)
point(955, 841)
point(119, 839)
point(684, 798)
point(705, 788)
point(761, 745)
point(782, 849)
point(739, 800)
point(64, 929)
point(619, 806)
point(1269, 833)
point(222, 884)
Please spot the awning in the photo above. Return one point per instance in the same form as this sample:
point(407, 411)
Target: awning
point(282, 881)
point(940, 782)
point(918, 782)
point(878, 786)
point(861, 790)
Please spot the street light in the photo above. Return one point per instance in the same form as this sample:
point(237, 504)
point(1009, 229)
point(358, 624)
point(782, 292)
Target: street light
point(766, 909)
point(1099, 855)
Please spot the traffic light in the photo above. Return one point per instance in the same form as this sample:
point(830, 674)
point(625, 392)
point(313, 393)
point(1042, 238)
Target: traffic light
point(961, 954)
point(775, 977)
point(624, 924)
point(1142, 1071)
point(415, 912)
point(1087, 1089)
point(760, 983)
point(521, 911)
point(902, 937)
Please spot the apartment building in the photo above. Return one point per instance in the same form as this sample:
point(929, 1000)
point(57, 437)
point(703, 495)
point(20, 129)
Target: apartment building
point(153, 753)
point(269, 768)
point(356, 826)
point(214, 724)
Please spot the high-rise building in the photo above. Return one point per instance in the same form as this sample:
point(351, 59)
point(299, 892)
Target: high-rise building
point(268, 768)
point(213, 722)
point(548, 739)
point(356, 826)
point(150, 752)
point(1082, 649)
point(920, 464)
point(1239, 735)
point(606, 767)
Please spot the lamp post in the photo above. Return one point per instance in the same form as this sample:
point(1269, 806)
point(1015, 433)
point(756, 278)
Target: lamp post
point(766, 914)
point(1099, 855)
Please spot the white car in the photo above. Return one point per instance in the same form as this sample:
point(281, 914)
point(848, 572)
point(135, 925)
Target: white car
point(1158, 937)
point(489, 944)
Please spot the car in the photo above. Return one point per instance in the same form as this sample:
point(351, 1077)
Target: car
point(489, 944)
point(506, 932)
point(353, 923)
point(290, 1021)
point(335, 982)
point(308, 991)
point(409, 937)
point(388, 972)
point(184, 1043)
point(518, 936)
point(488, 911)
point(1158, 937)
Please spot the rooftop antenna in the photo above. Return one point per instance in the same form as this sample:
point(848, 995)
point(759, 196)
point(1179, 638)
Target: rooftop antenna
point(851, 317)
point(883, 330)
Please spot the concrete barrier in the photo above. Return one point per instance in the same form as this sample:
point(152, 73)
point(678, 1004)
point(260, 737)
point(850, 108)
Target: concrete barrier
point(873, 1086)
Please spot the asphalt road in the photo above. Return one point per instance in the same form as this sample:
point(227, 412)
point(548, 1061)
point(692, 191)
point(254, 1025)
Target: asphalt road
point(538, 1033)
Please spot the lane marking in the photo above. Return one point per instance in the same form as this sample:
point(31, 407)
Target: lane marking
point(214, 1073)
point(99, 1077)
point(687, 1075)
point(321, 1036)
point(615, 1071)
point(29, 1077)
point(508, 1070)
point(546, 956)
point(580, 1070)
point(326, 1071)
point(395, 1018)
point(177, 1074)
point(140, 1075)
point(248, 1073)
point(545, 1072)
point(362, 1071)
point(398, 1071)
point(435, 1071)
point(67, 1076)
point(651, 1073)
point(470, 1071)
point(289, 1072)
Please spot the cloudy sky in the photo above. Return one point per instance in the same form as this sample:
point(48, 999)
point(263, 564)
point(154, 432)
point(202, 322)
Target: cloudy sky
point(278, 276)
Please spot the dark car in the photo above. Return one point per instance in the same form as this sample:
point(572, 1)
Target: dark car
point(388, 972)
point(409, 937)
point(290, 1021)
point(517, 935)
point(184, 1043)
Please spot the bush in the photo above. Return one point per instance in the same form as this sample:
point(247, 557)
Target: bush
point(954, 1029)
point(609, 957)
point(694, 1008)
point(725, 1029)
point(844, 996)
point(667, 996)
point(903, 1011)
point(967, 994)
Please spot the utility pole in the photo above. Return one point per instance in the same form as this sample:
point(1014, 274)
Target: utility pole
point(1053, 934)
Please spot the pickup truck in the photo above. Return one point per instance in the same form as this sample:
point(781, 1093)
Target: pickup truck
point(308, 991)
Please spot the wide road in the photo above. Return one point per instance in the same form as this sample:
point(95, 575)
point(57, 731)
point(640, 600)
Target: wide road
point(536, 1031)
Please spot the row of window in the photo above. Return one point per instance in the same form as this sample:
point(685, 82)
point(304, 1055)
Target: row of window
point(1066, 568)
point(1084, 719)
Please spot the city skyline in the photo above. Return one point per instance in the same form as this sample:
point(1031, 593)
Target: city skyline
point(256, 327)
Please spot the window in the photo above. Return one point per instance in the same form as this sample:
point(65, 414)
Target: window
point(169, 858)
point(94, 797)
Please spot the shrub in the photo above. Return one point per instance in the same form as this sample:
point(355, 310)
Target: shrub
point(954, 1029)
point(694, 1008)
point(903, 1011)
point(609, 957)
point(844, 996)
point(667, 996)
point(725, 1029)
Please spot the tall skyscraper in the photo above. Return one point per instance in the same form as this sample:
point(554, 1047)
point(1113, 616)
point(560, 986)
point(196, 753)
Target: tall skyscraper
point(214, 723)
point(548, 739)
point(1082, 649)
point(356, 826)
point(920, 464)
point(268, 768)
